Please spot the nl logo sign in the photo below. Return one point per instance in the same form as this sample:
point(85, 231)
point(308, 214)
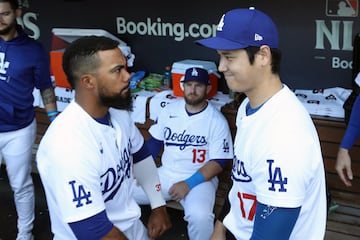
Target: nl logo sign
point(336, 32)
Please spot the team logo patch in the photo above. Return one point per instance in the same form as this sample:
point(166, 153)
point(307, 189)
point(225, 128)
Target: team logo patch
point(194, 73)
point(238, 172)
point(226, 146)
point(81, 196)
point(276, 178)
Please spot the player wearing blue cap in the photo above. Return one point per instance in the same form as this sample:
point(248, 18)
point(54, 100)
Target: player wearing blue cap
point(197, 144)
point(278, 175)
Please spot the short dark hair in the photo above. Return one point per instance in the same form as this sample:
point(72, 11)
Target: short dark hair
point(275, 61)
point(81, 57)
point(13, 3)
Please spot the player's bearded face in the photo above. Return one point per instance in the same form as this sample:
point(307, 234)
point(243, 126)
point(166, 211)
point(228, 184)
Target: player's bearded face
point(194, 97)
point(121, 100)
point(5, 28)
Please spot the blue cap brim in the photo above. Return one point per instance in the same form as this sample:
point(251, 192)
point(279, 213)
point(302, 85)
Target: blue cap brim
point(219, 43)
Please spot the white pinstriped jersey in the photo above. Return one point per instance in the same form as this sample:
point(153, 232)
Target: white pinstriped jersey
point(277, 162)
point(191, 141)
point(86, 167)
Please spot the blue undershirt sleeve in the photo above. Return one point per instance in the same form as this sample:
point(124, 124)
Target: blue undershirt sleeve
point(353, 128)
point(274, 223)
point(92, 228)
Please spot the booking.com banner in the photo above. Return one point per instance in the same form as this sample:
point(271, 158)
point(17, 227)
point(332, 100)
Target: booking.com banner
point(316, 37)
point(179, 31)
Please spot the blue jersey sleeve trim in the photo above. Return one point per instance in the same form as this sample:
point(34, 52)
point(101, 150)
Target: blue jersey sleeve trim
point(92, 228)
point(273, 223)
point(154, 146)
point(141, 154)
point(221, 162)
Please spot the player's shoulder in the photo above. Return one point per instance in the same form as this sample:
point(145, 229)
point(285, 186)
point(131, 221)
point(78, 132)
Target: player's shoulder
point(28, 41)
point(67, 124)
point(32, 48)
point(175, 104)
point(216, 113)
point(122, 117)
point(119, 113)
point(173, 107)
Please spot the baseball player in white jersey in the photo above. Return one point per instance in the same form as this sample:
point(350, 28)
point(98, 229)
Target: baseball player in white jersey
point(197, 144)
point(87, 157)
point(278, 175)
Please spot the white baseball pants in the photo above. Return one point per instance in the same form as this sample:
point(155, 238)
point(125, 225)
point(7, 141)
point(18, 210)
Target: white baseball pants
point(16, 149)
point(198, 204)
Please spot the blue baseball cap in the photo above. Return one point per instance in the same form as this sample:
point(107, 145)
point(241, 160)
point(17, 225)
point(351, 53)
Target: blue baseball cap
point(197, 74)
point(241, 28)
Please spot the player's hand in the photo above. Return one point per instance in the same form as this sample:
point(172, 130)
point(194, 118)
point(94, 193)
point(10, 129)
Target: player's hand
point(159, 222)
point(179, 190)
point(219, 232)
point(343, 166)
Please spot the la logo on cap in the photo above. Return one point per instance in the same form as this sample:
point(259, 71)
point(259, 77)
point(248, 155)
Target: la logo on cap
point(221, 23)
point(194, 72)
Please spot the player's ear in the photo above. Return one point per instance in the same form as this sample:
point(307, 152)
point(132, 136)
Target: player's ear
point(208, 88)
point(264, 54)
point(87, 81)
point(18, 12)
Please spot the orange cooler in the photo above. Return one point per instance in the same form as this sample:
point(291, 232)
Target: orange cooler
point(178, 72)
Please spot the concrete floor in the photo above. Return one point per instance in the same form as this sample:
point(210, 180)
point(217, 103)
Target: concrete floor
point(42, 223)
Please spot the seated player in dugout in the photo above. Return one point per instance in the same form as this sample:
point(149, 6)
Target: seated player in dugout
point(197, 144)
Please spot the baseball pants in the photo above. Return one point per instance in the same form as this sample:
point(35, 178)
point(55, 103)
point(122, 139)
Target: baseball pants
point(137, 231)
point(198, 204)
point(16, 149)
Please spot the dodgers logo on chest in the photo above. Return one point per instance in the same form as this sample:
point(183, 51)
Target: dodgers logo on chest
point(183, 139)
point(110, 181)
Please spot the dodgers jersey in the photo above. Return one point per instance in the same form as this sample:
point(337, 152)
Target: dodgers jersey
point(191, 141)
point(86, 167)
point(277, 162)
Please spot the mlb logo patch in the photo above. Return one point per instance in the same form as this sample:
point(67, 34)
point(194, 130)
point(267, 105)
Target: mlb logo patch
point(342, 8)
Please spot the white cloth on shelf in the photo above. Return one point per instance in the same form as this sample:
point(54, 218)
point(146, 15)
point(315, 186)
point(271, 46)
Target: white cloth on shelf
point(140, 98)
point(326, 102)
